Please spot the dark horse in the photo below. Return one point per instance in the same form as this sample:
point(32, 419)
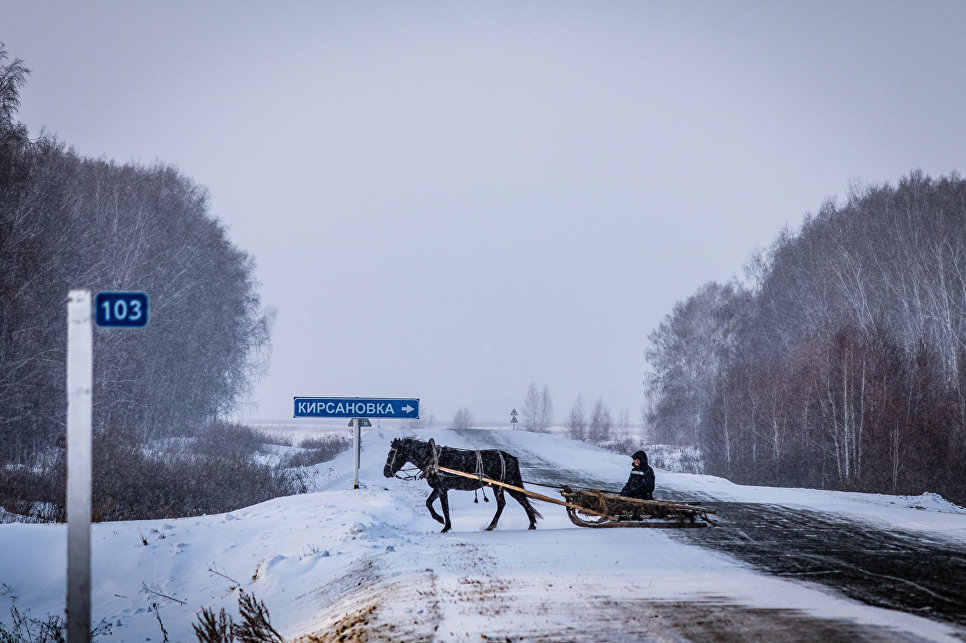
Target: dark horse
point(491, 463)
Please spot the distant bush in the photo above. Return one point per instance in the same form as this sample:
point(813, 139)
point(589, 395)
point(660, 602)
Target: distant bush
point(316, 450)
point(130, 484)
point(675, 458)
point(626, 446)
point(212, 471)
point(221, 439)
point(669, 457)
point(35, 494)
point(274, 438)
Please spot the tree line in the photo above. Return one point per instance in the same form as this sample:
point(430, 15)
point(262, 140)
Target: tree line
point(68, 222)
point(596, 426)
point(841, 362)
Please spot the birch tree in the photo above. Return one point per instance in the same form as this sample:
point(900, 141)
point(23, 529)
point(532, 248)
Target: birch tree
point(71, 222)
point(577, 421)
point(600, 424)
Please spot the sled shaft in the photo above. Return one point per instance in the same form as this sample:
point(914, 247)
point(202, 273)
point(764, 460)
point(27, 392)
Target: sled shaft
point(532, 494)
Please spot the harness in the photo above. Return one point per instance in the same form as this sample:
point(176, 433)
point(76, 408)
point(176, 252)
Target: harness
point(432, 467)
point(408, 476)
point(479, 466)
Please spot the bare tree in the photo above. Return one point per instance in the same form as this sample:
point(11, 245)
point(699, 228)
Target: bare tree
point(531, 409)
point(69, 222)
point(577, 421)
point(537, 409)
point(546, 411)
point(463, 419)
point(599, 429)
point(687, 352)
point(623, 425)
point(12, 78)
point(424, 421)
point(843, 365)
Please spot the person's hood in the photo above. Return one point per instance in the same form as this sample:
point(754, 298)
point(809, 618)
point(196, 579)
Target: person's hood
point(640, 455)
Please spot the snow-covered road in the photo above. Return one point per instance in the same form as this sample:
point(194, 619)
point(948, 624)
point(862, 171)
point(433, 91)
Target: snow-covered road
point(369, 564)
point(874, 560)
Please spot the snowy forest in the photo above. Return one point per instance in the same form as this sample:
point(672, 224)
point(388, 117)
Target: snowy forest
point(72, 222)
point(841, 363)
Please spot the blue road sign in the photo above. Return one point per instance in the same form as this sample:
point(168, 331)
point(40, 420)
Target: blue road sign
point(356, 407)
point(121, 309)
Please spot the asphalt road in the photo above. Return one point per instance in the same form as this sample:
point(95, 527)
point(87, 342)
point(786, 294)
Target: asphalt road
point(895, 569)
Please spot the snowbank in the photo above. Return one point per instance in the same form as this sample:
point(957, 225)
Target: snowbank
point(318, 559)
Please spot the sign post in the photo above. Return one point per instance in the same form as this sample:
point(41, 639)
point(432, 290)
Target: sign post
point(80, 370)
point(112, 310)
point(357, 424)
point(356, 450)
point(359, 409)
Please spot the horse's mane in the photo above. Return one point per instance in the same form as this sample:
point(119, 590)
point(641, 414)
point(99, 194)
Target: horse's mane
point(410, 440)
point(413, 440)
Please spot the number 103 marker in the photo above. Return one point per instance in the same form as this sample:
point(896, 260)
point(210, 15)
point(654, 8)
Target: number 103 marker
point(121, 309)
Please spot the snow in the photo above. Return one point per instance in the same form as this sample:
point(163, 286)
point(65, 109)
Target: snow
point(322, 559)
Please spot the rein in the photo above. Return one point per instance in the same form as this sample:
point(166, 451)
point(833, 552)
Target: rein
point(408, 476)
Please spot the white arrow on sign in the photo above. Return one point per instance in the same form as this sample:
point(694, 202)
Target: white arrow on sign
point(408, 409)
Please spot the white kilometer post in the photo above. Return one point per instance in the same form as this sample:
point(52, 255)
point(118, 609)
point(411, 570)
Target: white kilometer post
point(80, 366)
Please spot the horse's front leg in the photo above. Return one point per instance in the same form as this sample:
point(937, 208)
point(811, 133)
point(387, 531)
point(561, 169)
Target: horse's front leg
point(429, 505)
point(444, 501)
point(500, 504)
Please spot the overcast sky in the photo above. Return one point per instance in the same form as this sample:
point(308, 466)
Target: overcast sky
point(451, 200)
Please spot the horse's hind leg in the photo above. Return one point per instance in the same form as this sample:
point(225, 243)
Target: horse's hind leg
point(523, 500)
point(444, 501)
point(500, 504)
point(429, 505)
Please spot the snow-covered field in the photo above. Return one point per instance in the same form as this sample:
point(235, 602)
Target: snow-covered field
point(370, 564)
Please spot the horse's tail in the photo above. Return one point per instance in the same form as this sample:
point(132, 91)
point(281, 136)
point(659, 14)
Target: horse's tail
point(525, 499)
point(536, 513)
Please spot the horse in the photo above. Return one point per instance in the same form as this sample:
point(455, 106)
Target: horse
point(490, 463)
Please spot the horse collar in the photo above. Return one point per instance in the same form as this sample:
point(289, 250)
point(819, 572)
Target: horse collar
point(433, 465)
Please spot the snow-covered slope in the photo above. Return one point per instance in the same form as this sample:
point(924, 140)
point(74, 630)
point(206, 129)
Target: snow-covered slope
point(371, 561)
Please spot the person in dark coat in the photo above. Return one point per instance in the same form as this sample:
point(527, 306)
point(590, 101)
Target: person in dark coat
point(641, 482)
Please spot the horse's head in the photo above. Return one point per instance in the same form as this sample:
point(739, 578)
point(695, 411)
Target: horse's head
point(397, 458)
point(403, 450)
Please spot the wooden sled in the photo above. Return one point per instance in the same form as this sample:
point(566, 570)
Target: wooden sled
point(612, 509)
